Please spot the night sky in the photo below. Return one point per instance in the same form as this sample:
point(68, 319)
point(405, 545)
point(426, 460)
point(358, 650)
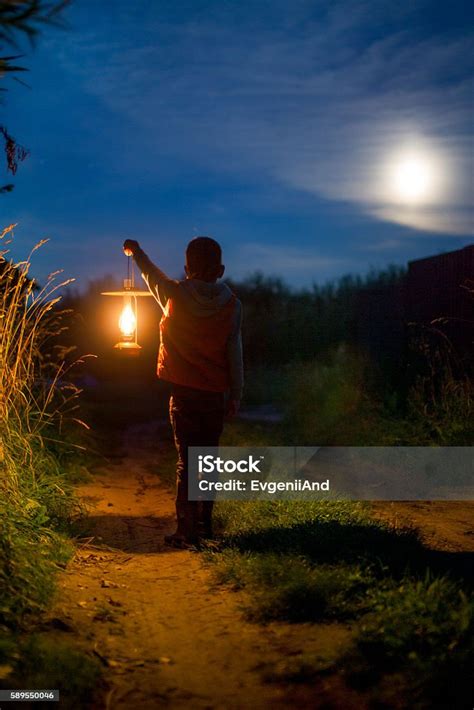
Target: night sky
point(274, 126)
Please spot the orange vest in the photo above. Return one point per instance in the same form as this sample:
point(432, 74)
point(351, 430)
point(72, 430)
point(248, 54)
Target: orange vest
point(193, 349)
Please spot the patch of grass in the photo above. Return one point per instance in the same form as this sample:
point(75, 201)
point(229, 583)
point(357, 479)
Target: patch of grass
point(425, 629)
point(41, 662)
point(330, 561)
point(242, 518)
point(322, 531)
point(417, 619)
point(291, 588)
point(30, 556)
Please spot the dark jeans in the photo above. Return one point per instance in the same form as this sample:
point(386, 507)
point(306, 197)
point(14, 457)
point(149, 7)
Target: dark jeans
point(197, 418)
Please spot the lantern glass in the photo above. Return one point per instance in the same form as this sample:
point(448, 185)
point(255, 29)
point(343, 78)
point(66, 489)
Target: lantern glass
point(127, 321)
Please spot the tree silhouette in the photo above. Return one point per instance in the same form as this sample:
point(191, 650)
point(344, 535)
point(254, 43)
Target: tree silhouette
point(19, 19)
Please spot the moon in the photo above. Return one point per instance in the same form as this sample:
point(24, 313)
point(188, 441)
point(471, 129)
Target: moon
point(414, 177)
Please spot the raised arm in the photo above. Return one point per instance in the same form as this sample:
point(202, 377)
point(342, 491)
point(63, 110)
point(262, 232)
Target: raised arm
point(159, 284)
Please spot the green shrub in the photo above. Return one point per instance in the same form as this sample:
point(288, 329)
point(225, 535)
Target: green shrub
point(43, 662)
point(425, 629)
point(30, 554)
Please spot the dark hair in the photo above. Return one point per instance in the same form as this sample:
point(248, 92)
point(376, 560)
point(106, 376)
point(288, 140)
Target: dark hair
point(203, 256)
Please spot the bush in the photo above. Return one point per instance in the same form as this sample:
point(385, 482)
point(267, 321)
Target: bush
point(30, 554)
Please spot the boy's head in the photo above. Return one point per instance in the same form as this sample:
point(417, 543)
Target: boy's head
point(204, 259)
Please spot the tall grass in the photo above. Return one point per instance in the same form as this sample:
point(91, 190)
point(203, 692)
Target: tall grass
point(36, 501)
point(441, 400)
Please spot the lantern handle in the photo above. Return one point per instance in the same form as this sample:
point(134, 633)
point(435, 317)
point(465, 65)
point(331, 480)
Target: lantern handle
point(129, 282)
point(130, 272)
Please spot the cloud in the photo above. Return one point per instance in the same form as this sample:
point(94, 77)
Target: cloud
point(445, 220)
point(383, 245)
point(294, 264)
point(318, 98)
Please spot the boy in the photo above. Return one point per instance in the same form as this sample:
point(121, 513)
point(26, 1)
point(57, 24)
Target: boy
point(201, 356)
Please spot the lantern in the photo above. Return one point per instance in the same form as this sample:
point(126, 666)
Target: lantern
point(128, 320)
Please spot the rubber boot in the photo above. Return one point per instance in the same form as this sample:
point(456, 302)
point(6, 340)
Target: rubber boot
point(186, 534)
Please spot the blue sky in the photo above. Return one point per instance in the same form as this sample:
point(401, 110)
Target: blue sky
point(270, 125)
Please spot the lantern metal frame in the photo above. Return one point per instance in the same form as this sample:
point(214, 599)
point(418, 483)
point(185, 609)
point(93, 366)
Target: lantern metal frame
point(129, 294)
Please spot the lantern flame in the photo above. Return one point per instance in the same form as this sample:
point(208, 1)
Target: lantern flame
point(127, 321)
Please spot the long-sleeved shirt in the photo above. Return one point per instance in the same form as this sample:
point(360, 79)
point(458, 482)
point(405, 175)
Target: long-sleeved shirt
point(202, 299)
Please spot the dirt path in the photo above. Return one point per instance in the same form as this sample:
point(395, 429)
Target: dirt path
point(443, 525)
point(165, 636)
